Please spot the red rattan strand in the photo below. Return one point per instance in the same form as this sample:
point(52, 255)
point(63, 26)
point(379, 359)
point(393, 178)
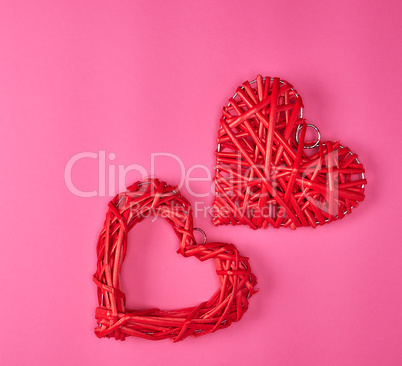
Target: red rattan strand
point(265, 178)
point(228, 304)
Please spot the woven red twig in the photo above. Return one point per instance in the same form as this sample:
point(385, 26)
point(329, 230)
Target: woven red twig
point(228, 304)
point(265, 178)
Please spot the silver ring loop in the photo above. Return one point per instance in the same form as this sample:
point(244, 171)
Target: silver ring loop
point(299, 127)
point(202, 232)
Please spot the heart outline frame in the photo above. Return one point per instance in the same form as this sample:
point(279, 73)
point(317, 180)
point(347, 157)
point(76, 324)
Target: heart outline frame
point(227, 304)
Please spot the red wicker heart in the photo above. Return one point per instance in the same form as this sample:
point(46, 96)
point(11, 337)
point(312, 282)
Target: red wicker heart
point(264, 176)
point(227, 305)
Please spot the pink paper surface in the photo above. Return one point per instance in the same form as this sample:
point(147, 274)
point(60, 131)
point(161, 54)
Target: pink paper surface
point(129, 79)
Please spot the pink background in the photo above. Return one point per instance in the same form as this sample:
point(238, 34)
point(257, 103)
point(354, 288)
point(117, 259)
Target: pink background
point(134, 78)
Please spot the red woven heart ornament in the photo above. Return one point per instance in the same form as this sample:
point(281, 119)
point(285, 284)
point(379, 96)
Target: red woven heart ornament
point(264, 176)
point(227, 305)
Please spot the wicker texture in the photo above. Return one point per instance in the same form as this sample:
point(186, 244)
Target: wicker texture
point(264, 177)
point(227, 305)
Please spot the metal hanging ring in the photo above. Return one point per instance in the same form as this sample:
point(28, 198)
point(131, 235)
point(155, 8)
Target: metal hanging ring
point(299, 127)
point(202, 232)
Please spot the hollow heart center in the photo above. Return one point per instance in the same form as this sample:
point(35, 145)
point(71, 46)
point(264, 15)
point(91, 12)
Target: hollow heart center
point(154, 275)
